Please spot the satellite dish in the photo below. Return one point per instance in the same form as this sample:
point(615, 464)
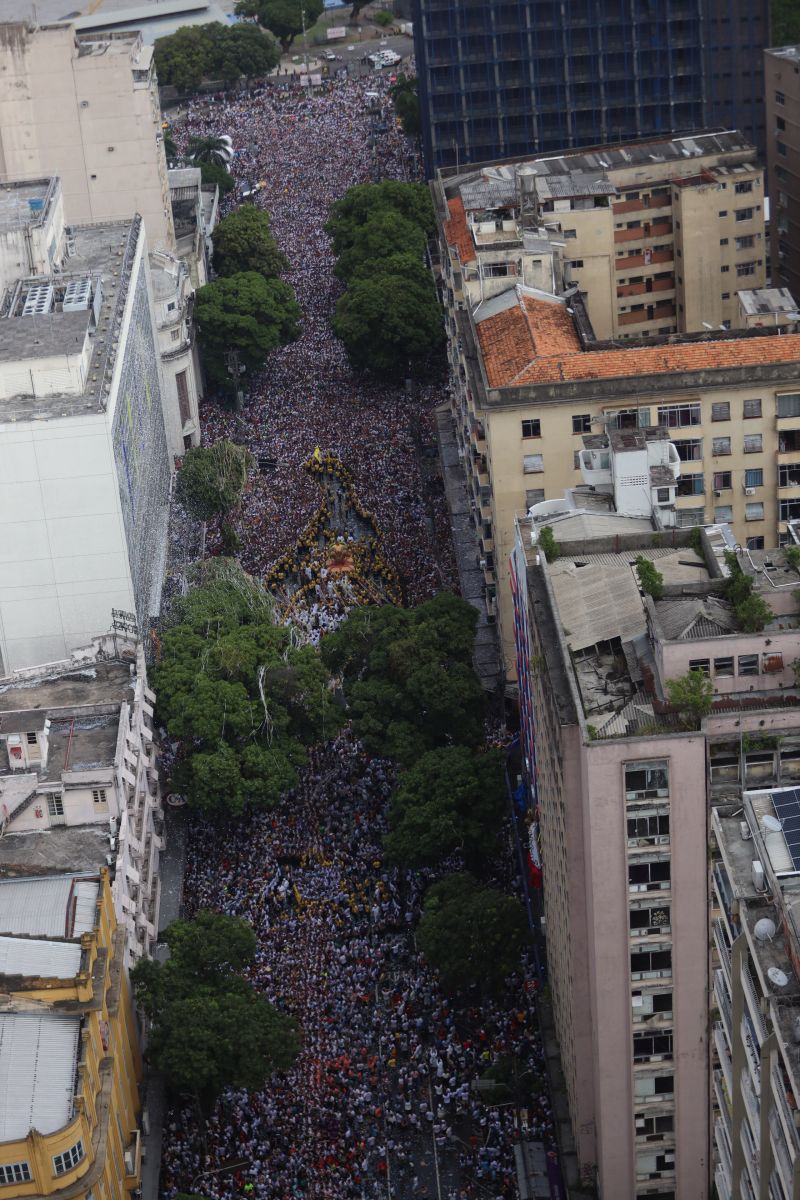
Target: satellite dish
point(771, 825)
point(764, 929)
point(777, 977)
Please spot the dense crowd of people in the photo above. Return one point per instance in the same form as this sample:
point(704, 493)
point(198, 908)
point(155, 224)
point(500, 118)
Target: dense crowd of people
point(381, 1102)
point(307, 152)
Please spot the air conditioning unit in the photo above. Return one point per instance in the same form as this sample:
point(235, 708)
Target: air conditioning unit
point(759, 882)
point(749, 491)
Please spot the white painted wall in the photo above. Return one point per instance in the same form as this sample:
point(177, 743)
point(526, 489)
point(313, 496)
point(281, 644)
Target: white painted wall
point(63, 558)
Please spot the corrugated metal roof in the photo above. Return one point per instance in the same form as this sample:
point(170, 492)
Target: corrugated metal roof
point(55, 906)
point(37, 1072)
point(21, 956)
point(597, 603)
point(695, 617)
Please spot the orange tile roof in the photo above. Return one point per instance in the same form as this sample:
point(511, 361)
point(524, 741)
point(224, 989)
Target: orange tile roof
point(535, 342)
point(457, 232)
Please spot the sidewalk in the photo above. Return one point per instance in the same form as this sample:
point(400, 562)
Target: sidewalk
point(465, 542)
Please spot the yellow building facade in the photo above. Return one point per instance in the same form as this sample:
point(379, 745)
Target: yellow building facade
point(70, 1064)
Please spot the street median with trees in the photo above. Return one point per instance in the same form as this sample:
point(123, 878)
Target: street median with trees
point(389, 319)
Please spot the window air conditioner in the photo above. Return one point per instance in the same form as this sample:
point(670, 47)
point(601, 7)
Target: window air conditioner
point(749, 491)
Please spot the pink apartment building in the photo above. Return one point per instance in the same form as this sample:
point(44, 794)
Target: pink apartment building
point(625, 800)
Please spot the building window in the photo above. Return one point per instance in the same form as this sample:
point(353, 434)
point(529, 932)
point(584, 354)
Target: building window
point(789, 510)
point(629, 418)
point(689, 449)
point(69, 1159)
point(30, 738)
point(753, 443)
point(99, 795)
point(754, 511)
point(575, 263)
point(720, 446)
point(582, 423)
point(647, 780)
point(780, 98)
point(788, 405)
point(576, 460)
point(678, 416)
point(569, 233)
point(724, 270)
point(780, 123)
point(751, 408)
point(648, 876)
point(499, 270)
point(688, 518)
point(648, 828)
point(723, 241)
point(755, 543)
point(651, 1127)
point(723, 212)
point(663, 495)
point(649, 920)
point(747, 664)
point(781, 148)
point(721, 411)
point(789, 475)
point(645, 1003)
point(744, 214)
point(532, 464)
point(531, 429)
point(654, 1085)
point(746, 242)
point(653, 963)
point(175, 335)
point(723, 481)
point(748, 268)
point(745, 186)
point(754, 478)
point(533, 496)
point(723, 512)
point(15, 1173)
point(55, 806)
point(655, 1045)
point(183, 397)
point(690, 485)
point(724, 666)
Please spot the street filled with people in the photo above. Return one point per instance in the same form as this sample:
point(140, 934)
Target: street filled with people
point(382, 1101)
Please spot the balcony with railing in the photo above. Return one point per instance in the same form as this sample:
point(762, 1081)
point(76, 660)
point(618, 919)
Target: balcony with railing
point(753, 1005)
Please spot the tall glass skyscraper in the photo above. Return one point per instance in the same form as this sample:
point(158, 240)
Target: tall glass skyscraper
point(503, 78)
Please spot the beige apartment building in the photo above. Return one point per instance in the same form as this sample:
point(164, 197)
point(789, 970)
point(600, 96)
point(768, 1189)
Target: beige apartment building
point(85, 107)
point(663, 1093)
point(658, 235)
point(782, 113)
point(530, 383)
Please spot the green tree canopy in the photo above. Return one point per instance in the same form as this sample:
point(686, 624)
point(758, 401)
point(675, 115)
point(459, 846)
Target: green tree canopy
point(785, 23)
point(209, 1028)
point(209, 149)
point(451, 799)
point(471, 934)
point(387, 233)
point(408, 676)
point(283, 18)
point(243, 241)
point(247, 313)
point(390, 326)
point(360, 203)
point(213, 51)
point(211, 479)
point(406, 104)
point(693, 696)
point(212, 173)
point(399, 266)
point(244, 700)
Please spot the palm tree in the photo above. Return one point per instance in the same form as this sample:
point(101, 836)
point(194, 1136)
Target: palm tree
point(210, 150)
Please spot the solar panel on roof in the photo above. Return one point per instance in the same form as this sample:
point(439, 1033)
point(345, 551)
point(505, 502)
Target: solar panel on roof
point(787, 809)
